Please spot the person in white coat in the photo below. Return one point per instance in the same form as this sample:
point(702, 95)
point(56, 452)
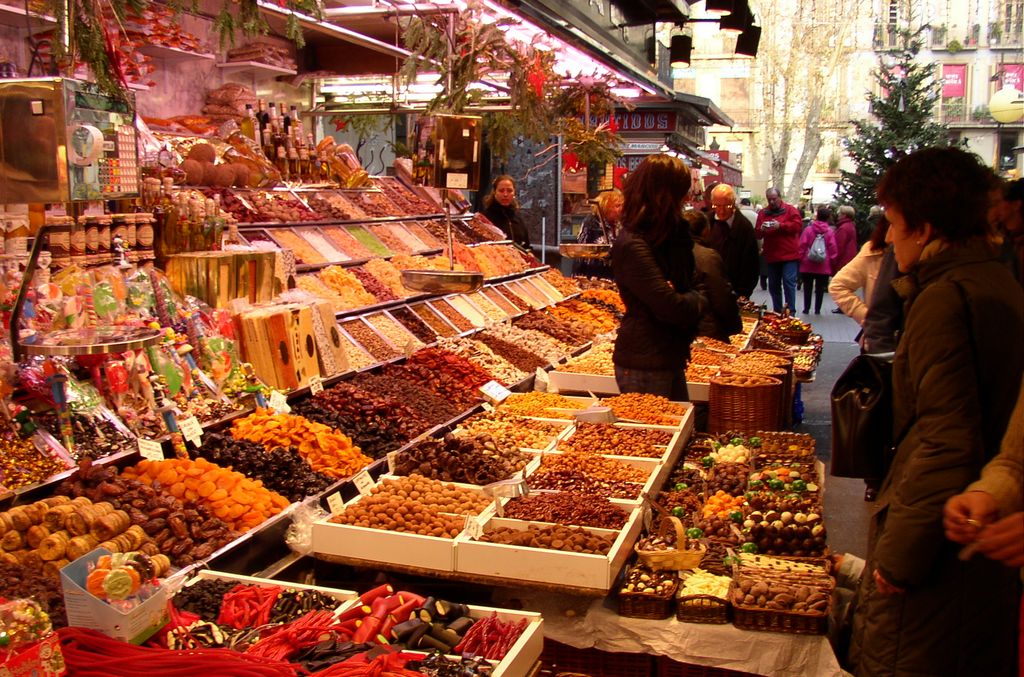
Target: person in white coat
point(860, 273)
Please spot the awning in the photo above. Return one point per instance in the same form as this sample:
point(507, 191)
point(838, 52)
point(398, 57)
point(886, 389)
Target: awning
point(708, 111)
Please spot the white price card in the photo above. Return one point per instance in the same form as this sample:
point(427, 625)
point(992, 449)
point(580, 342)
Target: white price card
point(151, 450)
point(495, 392)
point(191, 429)
point(279, 403)
point(316, 385)
point(364, 483)
point(392, 462)
point(474, 527)
point(335, 503)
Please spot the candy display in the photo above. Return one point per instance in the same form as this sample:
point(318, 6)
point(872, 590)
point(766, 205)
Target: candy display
point(22, 464)
point(326, 450)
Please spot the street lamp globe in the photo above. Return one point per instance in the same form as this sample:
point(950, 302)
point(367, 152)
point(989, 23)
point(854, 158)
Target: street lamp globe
point(1007, 105)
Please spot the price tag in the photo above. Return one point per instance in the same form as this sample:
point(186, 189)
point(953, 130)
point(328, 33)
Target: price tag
point(335, 503)
point(150, 450)
point(192, 430)
point(279, 403)
point(316, 385)
point(392, 461)
point(495, 392)
point(363, 481)
point(474, 527)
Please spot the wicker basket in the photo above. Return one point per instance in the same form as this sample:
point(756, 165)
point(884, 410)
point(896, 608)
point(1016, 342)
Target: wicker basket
point(702, 609)
point(773, 620)
point(744, 403)
point(795, 337)
point(676, 559)
point(646, 605)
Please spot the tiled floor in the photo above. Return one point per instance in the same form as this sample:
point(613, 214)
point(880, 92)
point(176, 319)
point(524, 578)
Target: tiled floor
point(845, 509)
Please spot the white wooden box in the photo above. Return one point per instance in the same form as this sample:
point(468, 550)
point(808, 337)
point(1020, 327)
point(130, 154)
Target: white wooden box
point(344, 597)
point(556, 567)
point(657, 473)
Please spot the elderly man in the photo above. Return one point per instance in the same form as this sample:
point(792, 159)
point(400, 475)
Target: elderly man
point(779, 225)
point(732, 236)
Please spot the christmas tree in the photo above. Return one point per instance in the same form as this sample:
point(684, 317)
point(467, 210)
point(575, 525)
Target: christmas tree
point(902, 122)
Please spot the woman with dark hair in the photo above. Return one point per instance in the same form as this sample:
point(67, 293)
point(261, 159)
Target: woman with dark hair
point(721, 318)
point(860, 273)
point(922, 609)
point(501, 207)
point(601, 227)
point(654, 267)
point(814, 272)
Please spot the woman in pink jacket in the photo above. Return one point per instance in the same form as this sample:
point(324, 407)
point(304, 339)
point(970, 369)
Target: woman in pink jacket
point(815, 272)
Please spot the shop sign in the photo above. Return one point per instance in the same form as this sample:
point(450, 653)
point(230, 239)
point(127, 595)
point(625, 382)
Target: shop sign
point(1013, 76)
point(954, 80)
point(637, 147)
point(646, 121)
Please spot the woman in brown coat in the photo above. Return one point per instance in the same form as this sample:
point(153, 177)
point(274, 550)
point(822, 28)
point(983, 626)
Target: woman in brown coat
point(923, 611)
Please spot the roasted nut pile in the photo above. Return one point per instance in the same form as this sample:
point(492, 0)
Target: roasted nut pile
point(377, 424)
point(415, 504)
point(452, 315)
point(21, 464)
point(645, 408)
point(281, 469)
point(566, 508)
point(571, 480)
point(714, 344)
point(490, 309)
point(649, 582)
point(498, 299)
point(696, 373)
point(561, 331)
point(597, 360)
point(395, 333)
point(414, 324)
point(540, 405)
point(453, 376)
point(434, 321)
point(187, 532)
point(613, 440)
point(241, 502)
point(325, 449)
point(514, 298)
point(520, 356)
point(710, 357)
point(369, 340)
point(567, 539)
point(380, 291)
point(475, 459)
point(596, 467)
point(511, 430)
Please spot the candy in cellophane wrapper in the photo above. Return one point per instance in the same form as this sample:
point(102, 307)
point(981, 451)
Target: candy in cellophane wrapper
point(28, 646)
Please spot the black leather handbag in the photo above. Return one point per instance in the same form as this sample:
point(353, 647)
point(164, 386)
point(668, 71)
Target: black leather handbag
point(862, 435)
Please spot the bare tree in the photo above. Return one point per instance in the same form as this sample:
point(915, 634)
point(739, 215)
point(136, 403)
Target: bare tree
point(802, 46)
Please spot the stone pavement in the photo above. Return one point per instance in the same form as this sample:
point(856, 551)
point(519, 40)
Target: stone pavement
point(847, 513)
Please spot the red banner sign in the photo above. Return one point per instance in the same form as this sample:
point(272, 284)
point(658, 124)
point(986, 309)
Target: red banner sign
point(954, 80)
point(1012, 75)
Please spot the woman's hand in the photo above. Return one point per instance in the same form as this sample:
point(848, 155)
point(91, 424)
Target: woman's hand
point(1003, 541)
point(965, 514)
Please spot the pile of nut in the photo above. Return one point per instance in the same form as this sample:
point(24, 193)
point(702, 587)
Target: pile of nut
point(414, 504)
point(540, 405)
point(597, 361)
point(484, 358)
point(564, 284)
point(522, 358)
point(532, 341)
point(561, 331)
point(370, 340)
point(568, 539)
point(414, 324)
point(566, 508)
point(645, 408)
point(572, 480)
point(595, 467)
point(511, 430)
point(614, 440)
point(641, 580)
point(469, 459)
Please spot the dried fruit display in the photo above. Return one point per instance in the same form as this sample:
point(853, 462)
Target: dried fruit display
point(467, 459)
point(336, 207)
point(484, 229)
point(417, 262)
point(323, 244)
point(613, 440)
point(380, 291)
point(540, 405)
point(452, 315)
point(346, 242)
point(520, 357)
point(497, 260)
point(325, 449)
point(566, 508)
point(281, 469)
point(483, 357)
point(564, 284)
point(394, 332)
point(512, 430)
point(376, 424)
point(598, 319)
point(390, 238)
point(645, 408)
point(22, 580)
point(429, 407)
point(374, 203)
point(597, 361)
point(368, 240)
point(387, 273)
point(498, 299)
point(366, 337)
point(569, 539)
point(567, 333)
point(538, 343)
point(531, 295)
point(347, 287)
point(404, 198)
point(437, 323)
point(696, 373)
point(451, 376)
point(358, 358)
point(604, 298)
point(515, 299)
point(460, 232)
point(314, 285)
point(415, 504)
point(272, 208)
point(424, 235)
point(304, 252)
point(490, 309)
point(467, 310)
point(414, 324)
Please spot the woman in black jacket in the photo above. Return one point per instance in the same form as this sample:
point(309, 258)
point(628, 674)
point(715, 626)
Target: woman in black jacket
point(502, 209)
point(654, 266)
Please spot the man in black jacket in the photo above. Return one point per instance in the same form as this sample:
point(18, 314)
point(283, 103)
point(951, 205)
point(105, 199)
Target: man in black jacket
point(732, 236)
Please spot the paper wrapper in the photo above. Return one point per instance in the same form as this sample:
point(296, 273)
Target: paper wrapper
point(220, 277)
